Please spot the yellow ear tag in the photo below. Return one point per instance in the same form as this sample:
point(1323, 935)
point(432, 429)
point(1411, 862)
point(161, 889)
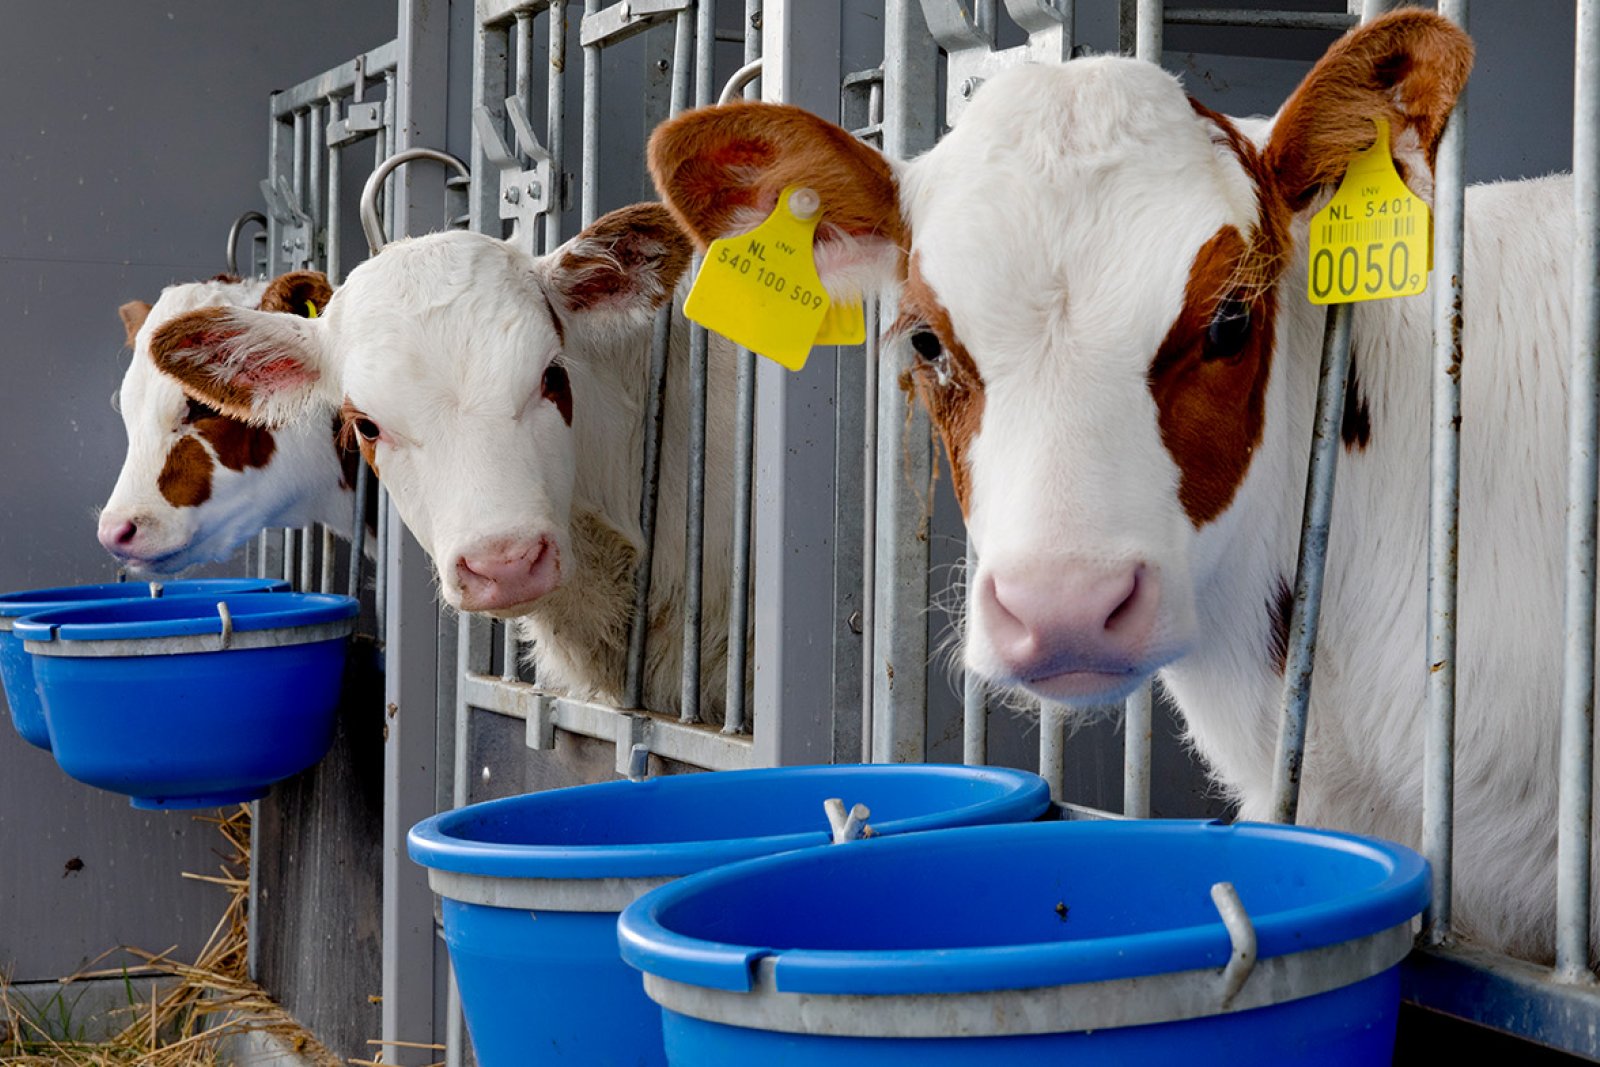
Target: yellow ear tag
point(1374, 239)
point(311, 310)
point(843, 324)
point(761, 289)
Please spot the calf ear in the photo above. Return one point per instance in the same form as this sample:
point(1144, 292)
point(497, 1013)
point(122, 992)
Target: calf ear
point(133, 314)
point(302, 292)
point(1407, 68)
point(721, 170)
point(265, 368)
point(625, 264)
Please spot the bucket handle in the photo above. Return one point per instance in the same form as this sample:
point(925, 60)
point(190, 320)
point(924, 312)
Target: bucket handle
point(155, 590)
point(1242, 932)
point(851, 826)
point(227, 623)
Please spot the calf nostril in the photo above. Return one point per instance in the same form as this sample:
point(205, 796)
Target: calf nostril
point(1125, 606)
point(128, 532)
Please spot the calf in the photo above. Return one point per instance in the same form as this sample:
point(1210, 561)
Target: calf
point(195, 483)
point(1104, 285)
point(502, 397)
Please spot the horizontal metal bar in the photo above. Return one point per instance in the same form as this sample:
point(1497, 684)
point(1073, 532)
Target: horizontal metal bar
point(621, 21)
point(1506, 995)
point(337, 81)
point(691, 743)
point(492, 12)
point(1273, 20)
point(1082, 812)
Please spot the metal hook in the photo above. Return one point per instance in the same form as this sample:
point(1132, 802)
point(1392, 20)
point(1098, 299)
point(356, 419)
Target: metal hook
point(741, 78)
point(371, 225)
point(1242, 932)
point(155, 590)
point(847, 827)
point(233, 236)
point(227, 623)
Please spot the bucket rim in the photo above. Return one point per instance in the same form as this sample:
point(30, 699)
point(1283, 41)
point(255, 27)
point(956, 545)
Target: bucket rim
point(67, 631)
point(24, 602)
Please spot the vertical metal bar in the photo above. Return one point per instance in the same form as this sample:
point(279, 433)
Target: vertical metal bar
point(682, 57)
point(974, 702)
point(524, 62)
point(263, 554)
point(1577, 697)
point(358, 528)
point(331, 246)
point(329, 559)
point(705, 40)
point(291, 568)
point(299, 172)
point(904, 471)
point(638, 630)
point(555, 122)
point(1309, 567)
point(316, 191)
point(307, 542)
point(1151, 16)
point(1053, 749)
point(743, 471)
point(590, 181)
point(869, 530)
point(1438, 765)
point(1136, 754)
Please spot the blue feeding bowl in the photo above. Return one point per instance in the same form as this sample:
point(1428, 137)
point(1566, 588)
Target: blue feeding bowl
point(189, 702)
point(16, 666)
point(532, 885)
point(1084, 943)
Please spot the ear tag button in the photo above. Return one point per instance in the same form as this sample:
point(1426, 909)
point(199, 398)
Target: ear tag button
point(761, 289)
point(1374, 239)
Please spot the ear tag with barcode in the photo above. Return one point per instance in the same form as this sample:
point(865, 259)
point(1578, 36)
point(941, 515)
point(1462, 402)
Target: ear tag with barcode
point(1374, 239)
point(761, 289)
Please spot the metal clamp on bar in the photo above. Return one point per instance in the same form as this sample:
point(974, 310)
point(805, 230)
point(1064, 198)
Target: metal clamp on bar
point(525, 194)
point(233, 238)
point(371, 224)
point(970, 44)
point(1242, 932)
point(294, 225)
point(630, 18)
point(360, 119)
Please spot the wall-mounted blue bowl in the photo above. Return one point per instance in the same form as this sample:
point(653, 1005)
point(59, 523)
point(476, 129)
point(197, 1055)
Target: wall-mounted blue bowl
point(191, 702)
point(16, 666)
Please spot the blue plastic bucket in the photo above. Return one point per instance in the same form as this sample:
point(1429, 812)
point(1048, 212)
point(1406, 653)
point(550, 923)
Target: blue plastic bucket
point(1084, 943)
point(190, 701)
point(532, 885)
point(16, 666)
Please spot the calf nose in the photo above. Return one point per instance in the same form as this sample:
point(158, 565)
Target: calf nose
point(117, 535)
point(1044, 621)
point(508, 573)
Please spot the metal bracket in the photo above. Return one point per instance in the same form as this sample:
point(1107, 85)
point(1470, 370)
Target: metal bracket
point(633, 733)
point(619, 22)
point(1242, 932)
point(861, 105)
point(525, 195)
point(970, 46)
point(638, 763)
point(359, 120)
point(295, 232)
point(541, 735)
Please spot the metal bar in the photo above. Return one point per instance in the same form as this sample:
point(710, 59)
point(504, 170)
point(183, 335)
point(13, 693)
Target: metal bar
point(335, 82)
point(1577, 697)
point(974, 701)
point(299, 173)
point(1309, 567)
point(555, 122)
point(638, 630)
point(335, 216)
point(316, 190)
point(307, 542)
point(1506, 994)
point(1148, 41)
point(490, 62)
point(1277, 20)
point(1136, 726)
point(291, 568)
point(1053, 749)
point(358, 529)
point(617, 23)
point(869, 527)
point(523, 89)
point(1438, 774)
point(590, 177)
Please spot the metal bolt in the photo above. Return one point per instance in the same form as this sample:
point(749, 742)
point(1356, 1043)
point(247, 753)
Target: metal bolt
point(662, 66)
point(755, 21)
point(513, 194)
point(854, 622)
point(287, 247)
point(535, 190)
point(970, 87)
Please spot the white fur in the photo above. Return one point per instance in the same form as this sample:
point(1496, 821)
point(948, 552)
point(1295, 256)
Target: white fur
point(300, 485)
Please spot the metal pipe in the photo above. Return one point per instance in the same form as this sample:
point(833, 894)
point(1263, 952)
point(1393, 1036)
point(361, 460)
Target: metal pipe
point(380, 585)
point(1309, 567)
point(1577, 697)
point(633, 689)
point(1053, 749)
point(307, 540)
point(358, 529)
point(316, 191)
point(331, 243)
point(974, 703)
point(869, 527)
point(1148, 31)
point(233, 238)
point(1444, 508)
point(291, 568)
point(1136, 727)
point(523, 65)
point(590, 179)
point(1275, 20)
point(298, 171)
point(555, 122)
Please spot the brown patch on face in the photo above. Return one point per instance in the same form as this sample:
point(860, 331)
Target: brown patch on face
point(237, 445)
point(1280, 608)
point(133, 314)
point(1355, 427)
point(181, 349)
point(714, 164)
point(291, 293)
point(633, 252)
point(956, 404)
point(348, 435)
point(185, 478)
point(1211, 404)
point(1407, 67)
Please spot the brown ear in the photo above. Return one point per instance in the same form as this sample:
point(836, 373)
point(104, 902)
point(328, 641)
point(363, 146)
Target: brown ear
point(133, 314)
point(627, 261)
point(721, 170)
point(1407, 67)
point(292, 293)
point(263, 368)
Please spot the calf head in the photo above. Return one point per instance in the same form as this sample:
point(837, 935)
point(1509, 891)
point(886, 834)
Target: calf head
point(449, 357)
point(195, 483)
point(1087, 270)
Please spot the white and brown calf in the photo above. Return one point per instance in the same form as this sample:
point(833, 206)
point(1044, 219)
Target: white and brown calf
point(502, 397)
point(195, 483)
point(1104, 284)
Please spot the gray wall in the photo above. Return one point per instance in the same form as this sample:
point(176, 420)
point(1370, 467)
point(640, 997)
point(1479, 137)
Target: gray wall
point(130, 136)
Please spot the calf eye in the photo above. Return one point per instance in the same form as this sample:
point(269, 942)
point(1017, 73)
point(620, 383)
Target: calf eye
point(927, 345)
point(198, 410)
point(1229, 330)
point(555, 380)
point(366, 428)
